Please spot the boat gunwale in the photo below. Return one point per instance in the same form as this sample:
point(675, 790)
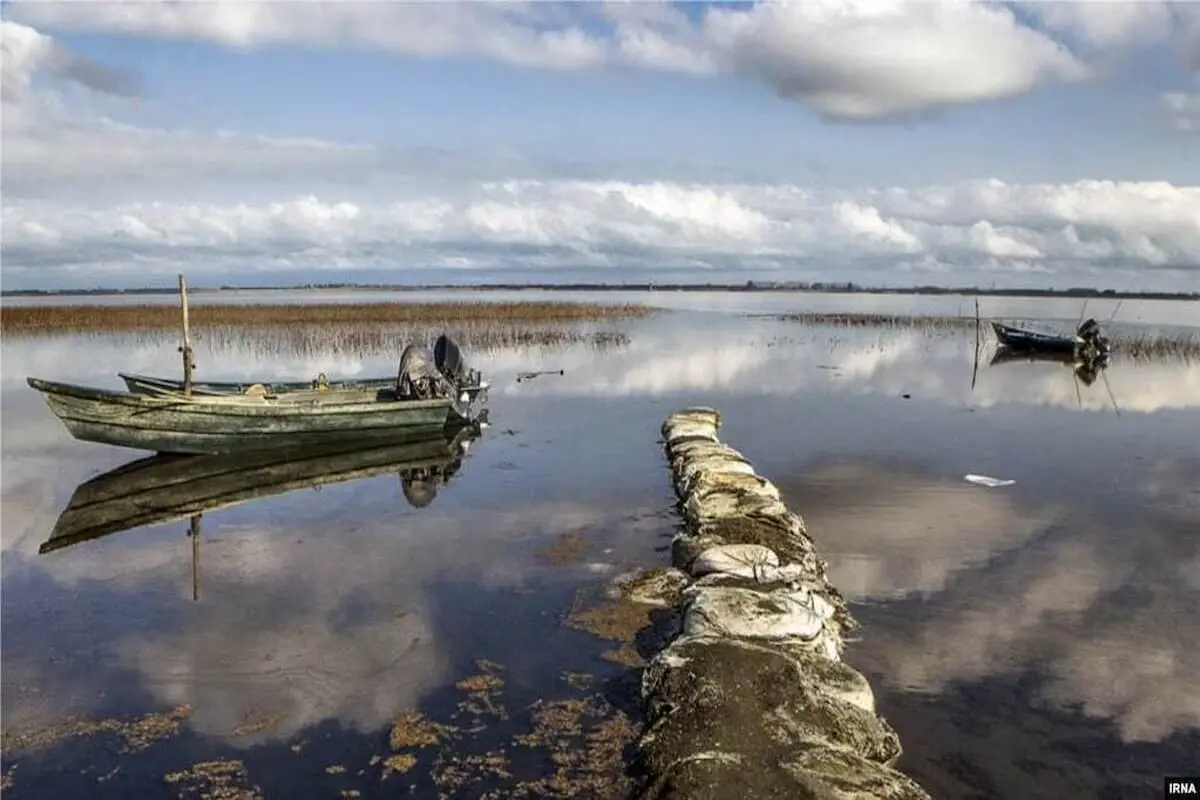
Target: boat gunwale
point(305, 402)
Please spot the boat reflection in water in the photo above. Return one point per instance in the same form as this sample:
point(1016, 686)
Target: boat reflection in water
point(164, 488)
point(1086, 370)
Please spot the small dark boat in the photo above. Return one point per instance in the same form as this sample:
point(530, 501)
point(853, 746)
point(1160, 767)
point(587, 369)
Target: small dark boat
point(1022, 340)
point(1088, 344)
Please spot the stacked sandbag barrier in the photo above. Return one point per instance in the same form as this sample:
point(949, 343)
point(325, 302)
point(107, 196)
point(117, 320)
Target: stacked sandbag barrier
point(751, 698)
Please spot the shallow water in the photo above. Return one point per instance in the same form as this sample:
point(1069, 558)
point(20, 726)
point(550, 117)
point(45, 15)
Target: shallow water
point(1036, 640)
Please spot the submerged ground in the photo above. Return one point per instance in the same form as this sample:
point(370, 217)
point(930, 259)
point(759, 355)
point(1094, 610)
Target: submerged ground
point(1038, 639)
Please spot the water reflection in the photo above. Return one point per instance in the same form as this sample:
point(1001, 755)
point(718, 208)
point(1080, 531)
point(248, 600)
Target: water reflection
point(687, 353)
point(168, 487)
point(1103, 600)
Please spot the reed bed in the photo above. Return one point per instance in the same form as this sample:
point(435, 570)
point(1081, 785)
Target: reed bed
point(363, 341)
point(37, 320)
point(1133, 345)
point(850, 319)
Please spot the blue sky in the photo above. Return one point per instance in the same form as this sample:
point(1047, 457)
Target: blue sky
point(425, 108)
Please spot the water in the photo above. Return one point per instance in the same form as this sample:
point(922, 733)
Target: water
point(1034, 640)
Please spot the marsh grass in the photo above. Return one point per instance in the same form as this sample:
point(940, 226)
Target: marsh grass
point(1132, 345)
point(362, 341)
point(359, 330)
point(84, 319)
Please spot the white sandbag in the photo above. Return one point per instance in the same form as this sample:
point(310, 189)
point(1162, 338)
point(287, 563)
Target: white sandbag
point(706, 415)
point(690, 428)
point(749, 614)
point(742, 560)
point(719, 505)
point(709, 482)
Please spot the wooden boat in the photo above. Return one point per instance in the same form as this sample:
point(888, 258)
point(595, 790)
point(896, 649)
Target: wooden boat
point(164, 488)
point(150, 384)
point(466, 384)
point(1023, 340)
point(1086, 345)
point(177, 423)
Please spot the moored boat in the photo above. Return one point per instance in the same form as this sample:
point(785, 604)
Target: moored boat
point(167, 419)
point(151, 384)
point(1023, 340)
point(176, 423)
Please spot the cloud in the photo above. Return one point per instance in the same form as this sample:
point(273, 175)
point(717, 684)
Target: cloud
point(27, 52)
point(860, 60)
point(1180, 111)
point(870, 60)
point(988, 227)
point(1118, 28)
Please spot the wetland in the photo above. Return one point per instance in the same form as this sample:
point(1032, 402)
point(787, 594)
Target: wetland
point(1037, 639)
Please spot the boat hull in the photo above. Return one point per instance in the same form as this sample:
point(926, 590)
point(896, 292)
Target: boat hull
point(1029, 341)
point(163, 488)
point(150, 384)
point(172, 423)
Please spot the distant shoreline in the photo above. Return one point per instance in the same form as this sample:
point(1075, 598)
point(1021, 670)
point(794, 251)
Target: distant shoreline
point(749, 286)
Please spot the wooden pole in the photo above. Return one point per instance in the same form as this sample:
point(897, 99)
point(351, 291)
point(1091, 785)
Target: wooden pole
point(194, 533)
point(186, 348)
point(975, 368)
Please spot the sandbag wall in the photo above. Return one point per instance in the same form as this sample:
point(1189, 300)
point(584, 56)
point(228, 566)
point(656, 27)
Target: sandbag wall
point(751, 698)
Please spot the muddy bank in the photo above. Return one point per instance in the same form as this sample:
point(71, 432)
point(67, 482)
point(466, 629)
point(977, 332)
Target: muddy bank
point(750, 698)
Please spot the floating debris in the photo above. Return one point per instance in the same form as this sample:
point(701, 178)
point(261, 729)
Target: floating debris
point(256, 723)
point(985, 480)
point(226, 780)
point(564, 550)
point(138, 734)
point(528, 376)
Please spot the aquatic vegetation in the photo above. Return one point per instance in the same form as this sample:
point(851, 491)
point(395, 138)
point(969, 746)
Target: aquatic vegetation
point(215, 779)
point(137, 734)
point(58, 319)
point(1130, 344)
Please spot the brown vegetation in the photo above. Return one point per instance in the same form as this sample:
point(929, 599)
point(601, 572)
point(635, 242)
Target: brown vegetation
point(1131, 345)
point(27, 320)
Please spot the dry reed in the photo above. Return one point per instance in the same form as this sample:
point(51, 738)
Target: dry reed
point(35, 320)
point(369, 340)
point(1133, 345)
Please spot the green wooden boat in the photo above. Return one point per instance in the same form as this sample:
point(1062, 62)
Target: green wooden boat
point(177, 423)
point(150, 384)
point(448, 375)
point(164, 488)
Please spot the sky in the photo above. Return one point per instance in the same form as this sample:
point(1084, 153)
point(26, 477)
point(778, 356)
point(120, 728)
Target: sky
point(887, 143)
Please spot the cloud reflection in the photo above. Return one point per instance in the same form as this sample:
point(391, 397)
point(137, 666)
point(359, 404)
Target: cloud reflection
point(685, 354)
point(1106, 604)
point(327, 606)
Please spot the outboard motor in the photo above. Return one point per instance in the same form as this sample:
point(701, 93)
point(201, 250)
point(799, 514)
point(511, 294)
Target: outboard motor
point(414, 380)
point(449, 361)
point(420, 487)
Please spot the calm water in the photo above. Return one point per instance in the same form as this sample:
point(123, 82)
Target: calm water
point(1035, 640)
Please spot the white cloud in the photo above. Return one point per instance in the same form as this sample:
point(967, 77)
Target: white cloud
point(1180, 111)
point(1118, 28)
point(854, 60)
point(870, 59)
point(984, 225)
